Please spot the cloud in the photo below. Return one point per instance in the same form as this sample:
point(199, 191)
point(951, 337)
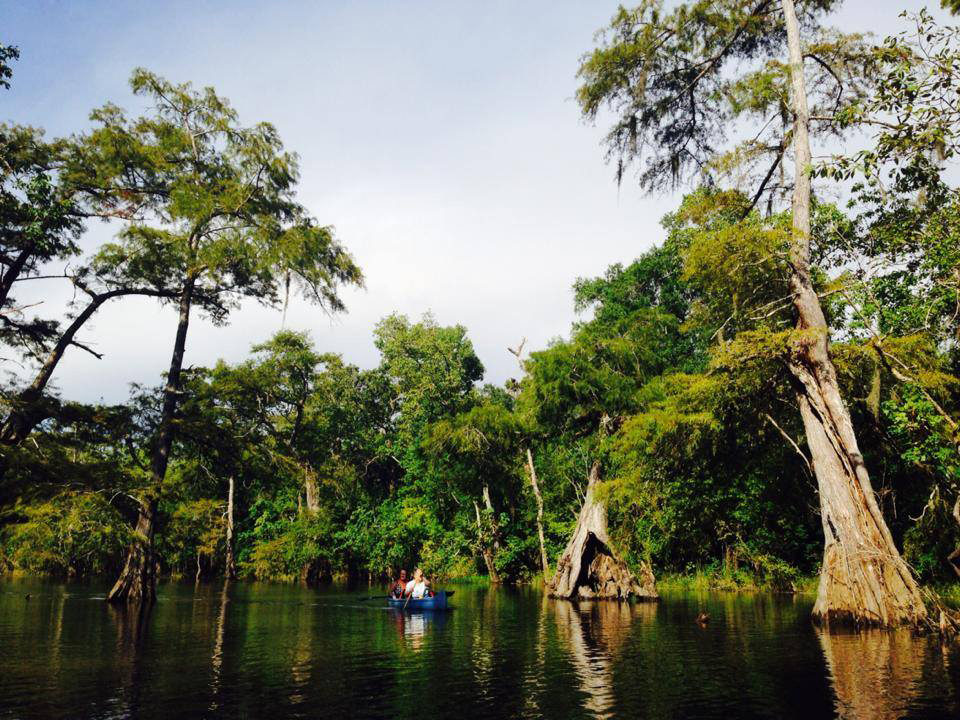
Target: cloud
point(439, 138)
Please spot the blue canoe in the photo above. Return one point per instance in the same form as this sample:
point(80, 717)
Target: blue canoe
point(437, 602)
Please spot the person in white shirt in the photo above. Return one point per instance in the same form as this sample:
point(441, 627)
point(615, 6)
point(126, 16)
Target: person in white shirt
point(416, 588)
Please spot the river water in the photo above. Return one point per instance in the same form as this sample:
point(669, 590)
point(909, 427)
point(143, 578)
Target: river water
point(278, 651)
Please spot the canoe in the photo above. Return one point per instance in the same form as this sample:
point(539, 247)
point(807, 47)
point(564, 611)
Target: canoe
point(437, 602)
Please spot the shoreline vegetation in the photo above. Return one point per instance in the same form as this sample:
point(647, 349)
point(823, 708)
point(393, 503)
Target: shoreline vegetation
point(769, 393)
point(694, 581)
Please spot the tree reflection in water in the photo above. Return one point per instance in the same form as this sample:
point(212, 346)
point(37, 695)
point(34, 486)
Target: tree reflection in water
point(878, 674)
point(132, 623)
point(216, 659)
point(593, 633)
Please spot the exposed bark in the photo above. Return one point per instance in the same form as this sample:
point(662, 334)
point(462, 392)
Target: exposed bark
point(485, 546)
point(13, 272)
point(494, 527)
point(536, 493)
point(588, 567)
point(137, 581)
point(315, 571)
point(230, 566)
point(863, 578)
point(310, 489)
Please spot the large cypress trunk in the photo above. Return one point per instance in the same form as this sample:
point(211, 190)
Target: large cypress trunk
point(863, 578)
point(588, 567)
point(137, 581)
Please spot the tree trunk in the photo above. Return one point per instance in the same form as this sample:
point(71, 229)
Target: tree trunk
point(27, 410)
point(12, 273)
point(495, 527)
point(485, 548)
point(137, 581)
point(230, 569)
point(863, 578)
point(310, 489)
point(544, 562)
point(588, 568)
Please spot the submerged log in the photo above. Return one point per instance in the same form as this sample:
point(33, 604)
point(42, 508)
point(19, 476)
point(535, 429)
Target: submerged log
point(588, 568)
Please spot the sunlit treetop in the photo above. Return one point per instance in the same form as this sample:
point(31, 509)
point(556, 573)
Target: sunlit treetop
point(203, 200)
point(701, 91)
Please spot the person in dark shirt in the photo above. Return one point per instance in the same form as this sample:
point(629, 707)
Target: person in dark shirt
point(399, 586)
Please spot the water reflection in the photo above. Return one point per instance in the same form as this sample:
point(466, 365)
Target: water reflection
point(132, 624)
point(412, 627)
point(880, 674)
point(250, 650)
point(216, 659)
point(301, 666)
point(593, 633)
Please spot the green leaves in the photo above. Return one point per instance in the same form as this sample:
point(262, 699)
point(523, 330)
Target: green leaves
point(205, 200)
point(686, 85)
point(7, 53)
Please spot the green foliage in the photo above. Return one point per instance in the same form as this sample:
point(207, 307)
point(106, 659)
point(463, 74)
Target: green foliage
point(204, 201)
point(674, 382)
point(679, 82)
point(7, 53)
point(72, 533)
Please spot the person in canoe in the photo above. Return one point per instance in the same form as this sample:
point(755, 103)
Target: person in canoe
point(419, 587)
point(399, 586)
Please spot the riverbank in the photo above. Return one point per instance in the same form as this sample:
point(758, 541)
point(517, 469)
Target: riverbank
point(699, 580)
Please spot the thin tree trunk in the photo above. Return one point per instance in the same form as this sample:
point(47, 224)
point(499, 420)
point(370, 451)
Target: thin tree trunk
point(544, 562)
point(493, 518)
point(863, 578)
point(26, 412)
point(137, 581)
point(485, 547)
point(231, 564)
point(12, 273)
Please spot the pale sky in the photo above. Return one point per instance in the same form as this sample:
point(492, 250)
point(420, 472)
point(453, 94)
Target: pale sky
point(441, 139)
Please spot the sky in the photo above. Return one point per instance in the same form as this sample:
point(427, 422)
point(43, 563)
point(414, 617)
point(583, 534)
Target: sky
point(442, 140)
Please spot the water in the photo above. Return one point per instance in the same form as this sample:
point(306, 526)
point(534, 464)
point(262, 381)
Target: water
point(275, 651)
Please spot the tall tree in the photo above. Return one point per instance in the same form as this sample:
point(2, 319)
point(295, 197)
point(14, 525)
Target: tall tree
point(669, 77)
point(210, 212)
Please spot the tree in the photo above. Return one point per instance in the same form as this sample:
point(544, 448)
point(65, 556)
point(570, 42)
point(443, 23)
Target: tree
point(7, 53)
point(903, 263)
point(667, 77)
point(479, 450)
point(209, 215)
point(580, 391)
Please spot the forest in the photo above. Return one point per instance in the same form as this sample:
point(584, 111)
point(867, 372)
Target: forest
point(768, 394)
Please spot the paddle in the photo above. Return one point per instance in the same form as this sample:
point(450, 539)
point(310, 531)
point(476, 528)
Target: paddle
point(387, 597)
